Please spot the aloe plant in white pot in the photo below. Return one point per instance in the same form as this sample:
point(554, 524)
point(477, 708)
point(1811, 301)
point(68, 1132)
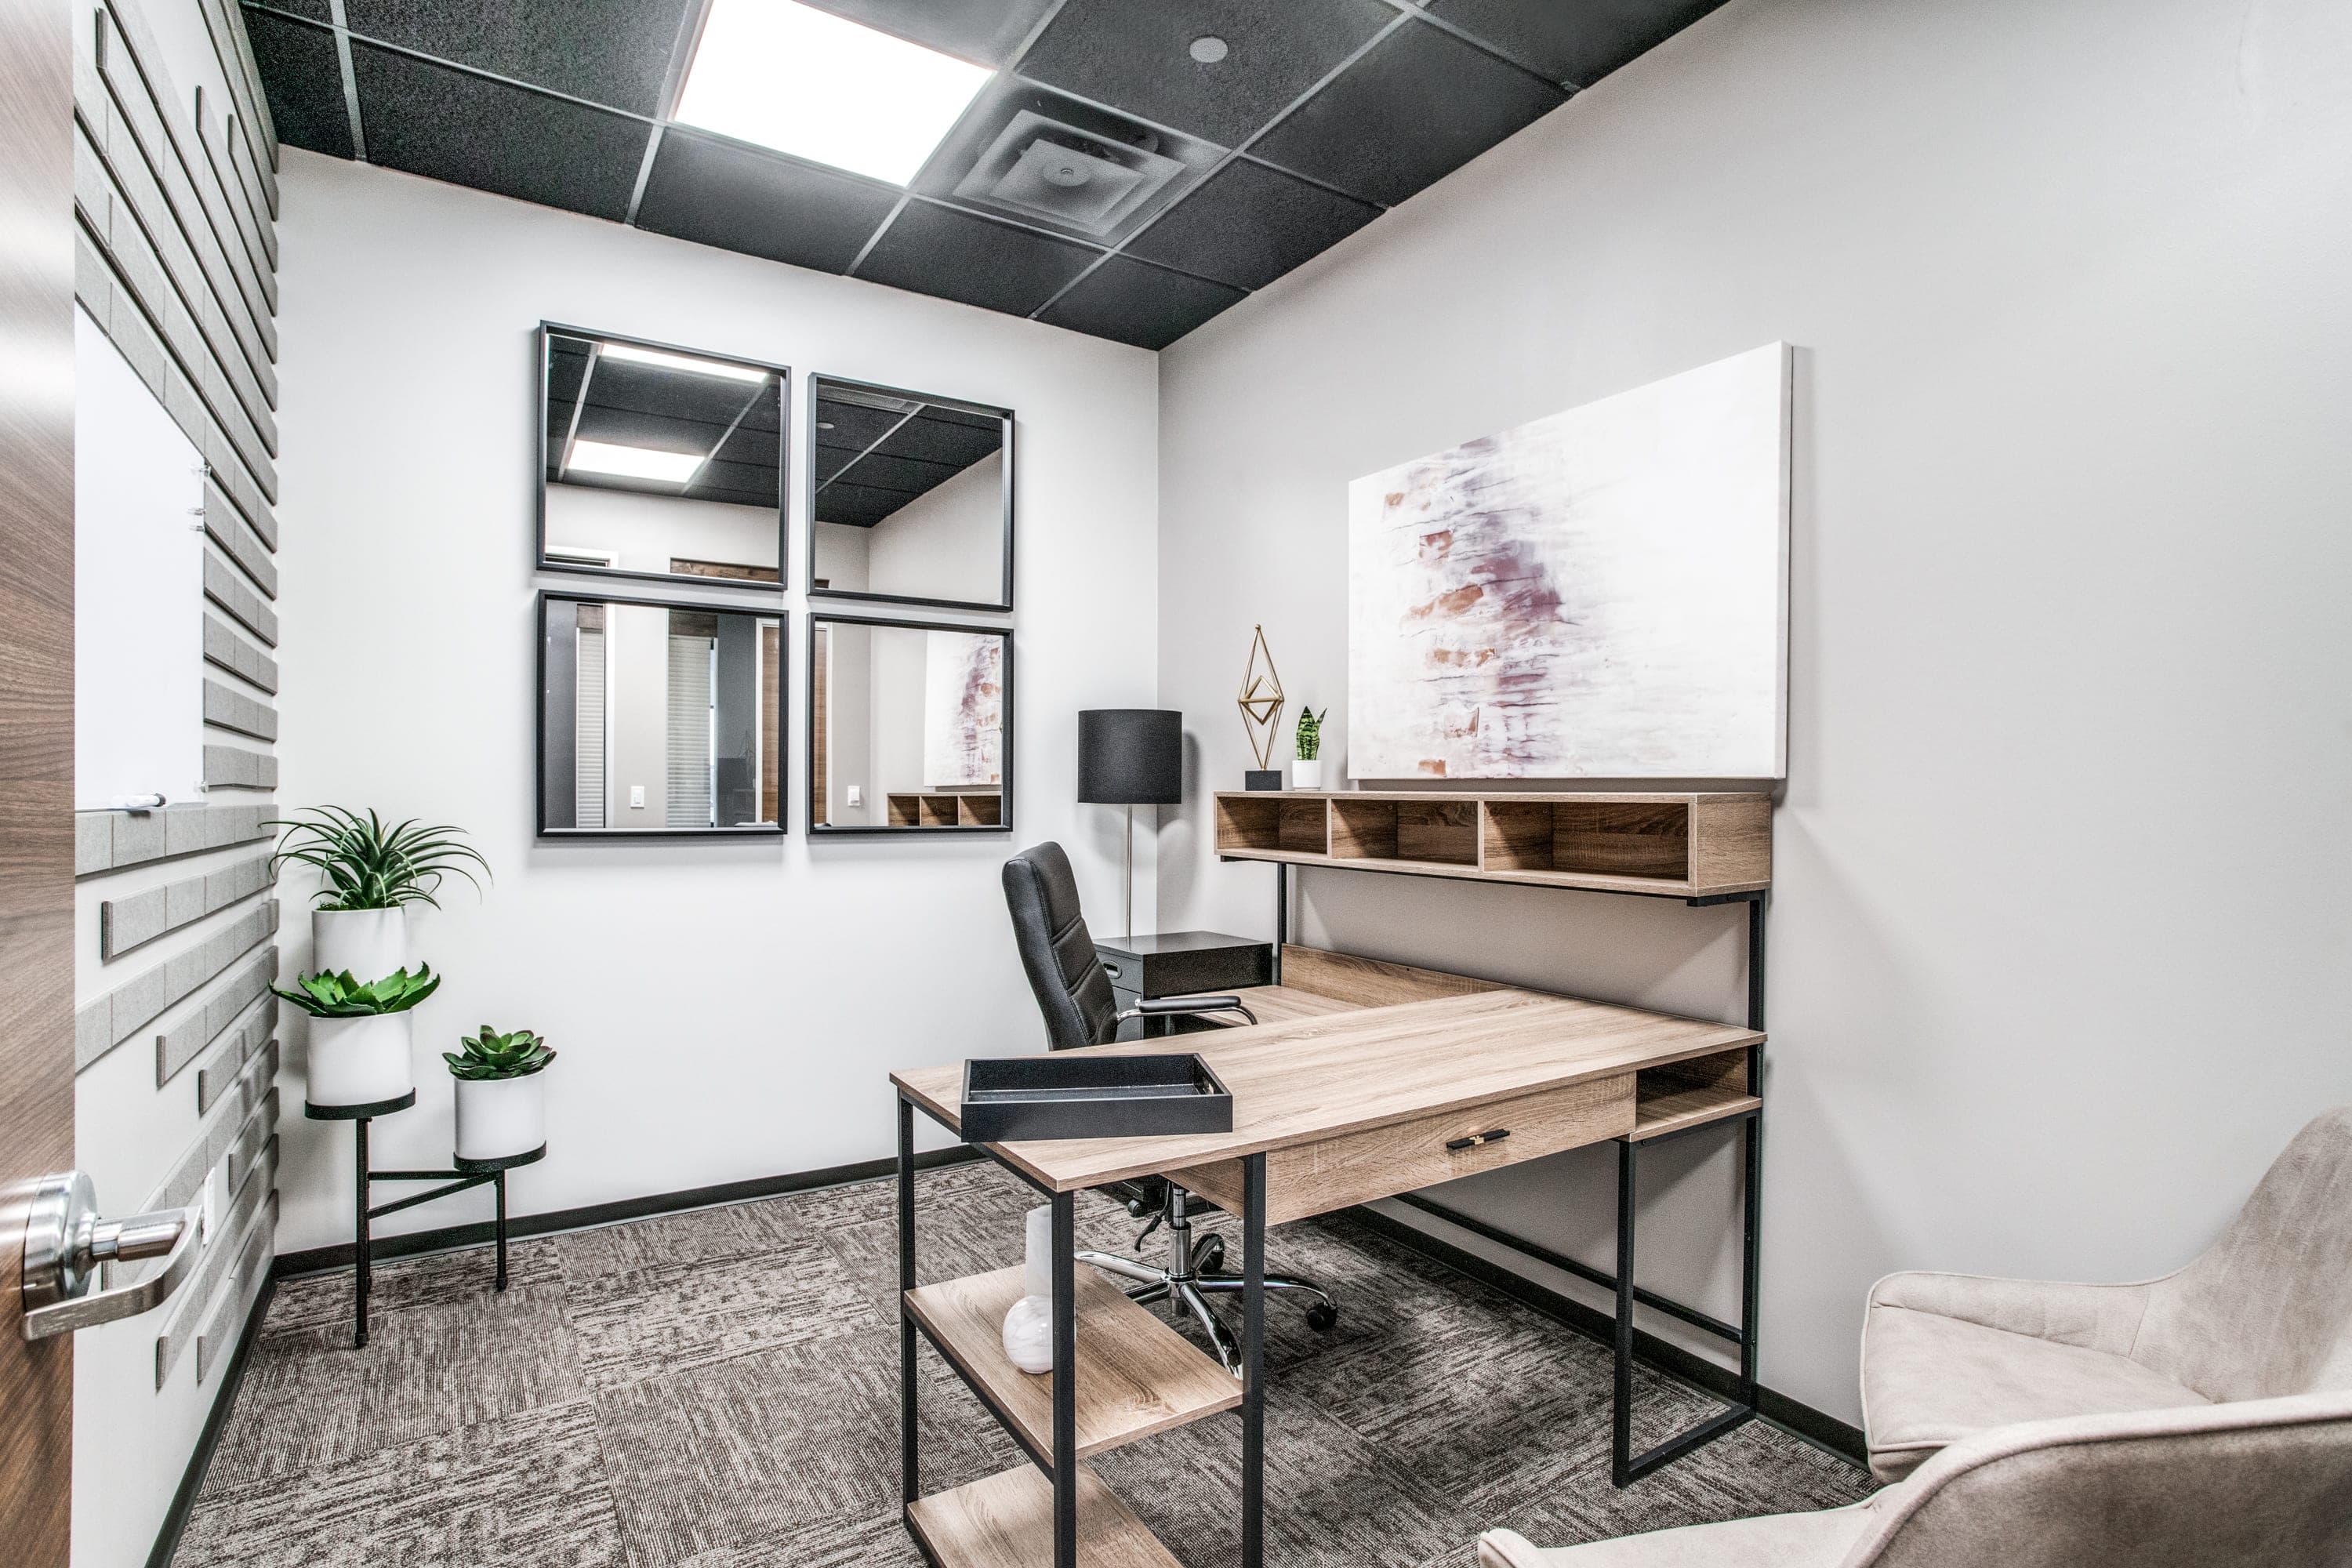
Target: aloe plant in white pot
point(360, 1034)
point(371, 872)
point(501, 1093)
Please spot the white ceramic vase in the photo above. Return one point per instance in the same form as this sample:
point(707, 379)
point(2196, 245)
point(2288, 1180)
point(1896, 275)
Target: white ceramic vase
point(1029, 1326)
point(369, 944)
point(1307, 772)
point(499, 1117)
point(360, 1061)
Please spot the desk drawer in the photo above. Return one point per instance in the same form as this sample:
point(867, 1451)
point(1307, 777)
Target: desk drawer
point(1382, 1161)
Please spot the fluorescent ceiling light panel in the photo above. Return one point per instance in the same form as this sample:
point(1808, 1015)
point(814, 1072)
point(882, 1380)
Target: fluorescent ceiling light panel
point(808, 82)
point(687, 362)
point(633, 462)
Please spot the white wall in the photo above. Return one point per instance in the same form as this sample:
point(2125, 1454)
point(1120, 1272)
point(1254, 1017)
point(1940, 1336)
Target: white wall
point(718, 1007)
point(649, 532)
point(2059, 940)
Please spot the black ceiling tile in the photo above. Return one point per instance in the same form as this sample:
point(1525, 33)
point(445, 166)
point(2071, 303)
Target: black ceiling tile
point(304, 81)
point(934, 250)
point(988, 31)
point(614, 52)
point(320, 11)
point(1135, 303)
point(1135, 55)
point(1419, 106)
point(449, 125)
point(737, 198)
point(1580, 43)
point(1249, 225)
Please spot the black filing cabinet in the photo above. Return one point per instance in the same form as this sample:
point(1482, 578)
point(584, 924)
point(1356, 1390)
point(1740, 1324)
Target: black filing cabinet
point(1182, 964)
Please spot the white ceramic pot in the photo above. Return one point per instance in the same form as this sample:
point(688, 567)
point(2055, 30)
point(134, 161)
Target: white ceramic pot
point(501, 1115)
point(1306, 774)
point(360, 1061)
point(370, 944)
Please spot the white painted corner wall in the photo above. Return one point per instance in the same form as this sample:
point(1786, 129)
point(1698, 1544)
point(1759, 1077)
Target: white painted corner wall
point(2059, 945)
point(722, 1012)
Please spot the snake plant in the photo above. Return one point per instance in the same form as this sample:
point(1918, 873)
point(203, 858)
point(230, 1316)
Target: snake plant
point(370, 864)
point(491, 1055)
point(1310, 733)
point(330, 995)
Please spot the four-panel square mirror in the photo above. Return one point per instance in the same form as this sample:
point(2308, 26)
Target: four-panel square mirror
point(909, 496)
point(910, 726)
point(665, 717)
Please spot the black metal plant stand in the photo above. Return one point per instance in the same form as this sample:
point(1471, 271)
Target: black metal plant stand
point(465, 1174)
point(1625, 1467)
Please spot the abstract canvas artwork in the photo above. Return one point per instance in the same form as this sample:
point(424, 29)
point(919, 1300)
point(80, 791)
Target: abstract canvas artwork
point(963, 709)
point(1600, 594)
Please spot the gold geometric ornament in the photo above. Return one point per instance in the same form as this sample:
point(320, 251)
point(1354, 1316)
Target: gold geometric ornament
point(1261, 699)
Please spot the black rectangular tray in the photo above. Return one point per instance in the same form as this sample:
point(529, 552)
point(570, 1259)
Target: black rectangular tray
point(1011, 1098)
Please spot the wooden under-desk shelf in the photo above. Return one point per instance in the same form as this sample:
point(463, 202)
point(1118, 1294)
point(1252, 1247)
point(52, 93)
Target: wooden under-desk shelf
point(1006, 1521)
point(1691, 1093)
point(1695, 844)
point(1136, 1374)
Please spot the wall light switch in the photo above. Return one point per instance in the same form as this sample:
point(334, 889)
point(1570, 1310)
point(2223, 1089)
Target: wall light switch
point(857, 794)
point(636, 798)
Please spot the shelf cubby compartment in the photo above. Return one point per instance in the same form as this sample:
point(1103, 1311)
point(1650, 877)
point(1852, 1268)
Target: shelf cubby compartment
point(1136, 1375)
point(1271, 823)
point(946, 808)
point(1424, 830)
point(1692, 1094)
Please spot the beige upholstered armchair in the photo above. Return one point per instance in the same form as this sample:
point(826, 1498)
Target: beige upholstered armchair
point(2266, 1312)
point(2265, 1481)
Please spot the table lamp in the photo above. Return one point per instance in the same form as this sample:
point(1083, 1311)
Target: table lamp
point(1130, 757)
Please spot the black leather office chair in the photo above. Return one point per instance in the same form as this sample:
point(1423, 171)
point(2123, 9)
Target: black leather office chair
point(1074, 994)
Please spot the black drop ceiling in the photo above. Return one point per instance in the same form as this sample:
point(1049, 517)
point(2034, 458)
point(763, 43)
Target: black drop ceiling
point(631, 404)
point(1321, 114)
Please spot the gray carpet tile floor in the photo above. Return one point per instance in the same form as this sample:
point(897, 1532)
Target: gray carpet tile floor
point(718, 1389)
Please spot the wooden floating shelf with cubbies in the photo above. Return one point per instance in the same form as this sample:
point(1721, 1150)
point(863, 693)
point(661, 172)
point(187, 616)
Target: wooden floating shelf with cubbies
point(1696, 844)
point(947, 808)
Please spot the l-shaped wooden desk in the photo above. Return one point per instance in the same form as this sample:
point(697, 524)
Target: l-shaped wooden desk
point(1362, 1080)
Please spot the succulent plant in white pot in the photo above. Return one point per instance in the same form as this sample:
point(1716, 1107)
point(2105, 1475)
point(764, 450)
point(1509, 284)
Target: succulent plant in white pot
point(372, 871)
point(1306, 768)
point(501, 1093)
point(360, 1034)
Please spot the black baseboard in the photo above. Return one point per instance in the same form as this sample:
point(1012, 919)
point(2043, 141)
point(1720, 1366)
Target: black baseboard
point(323, 1260)
point(192, 1480)
point(1822, 1430)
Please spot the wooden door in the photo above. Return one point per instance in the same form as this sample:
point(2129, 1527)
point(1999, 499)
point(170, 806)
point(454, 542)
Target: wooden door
point(820, 786)
point(36, 752)
point(771, 722)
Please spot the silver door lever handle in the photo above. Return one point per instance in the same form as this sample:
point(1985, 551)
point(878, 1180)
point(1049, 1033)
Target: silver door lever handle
point(66, 1243)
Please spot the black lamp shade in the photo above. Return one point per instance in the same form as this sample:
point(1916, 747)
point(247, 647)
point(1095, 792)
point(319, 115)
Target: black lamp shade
point(1130, 756)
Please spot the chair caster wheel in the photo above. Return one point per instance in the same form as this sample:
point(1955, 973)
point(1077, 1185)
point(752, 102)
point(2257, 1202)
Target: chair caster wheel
point(1321, 1318)
point(1211, 1256)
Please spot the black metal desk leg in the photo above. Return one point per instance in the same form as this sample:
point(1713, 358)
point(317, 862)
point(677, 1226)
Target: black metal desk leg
point(1253, 1361)
point(1065, 1382)
point(360, 1251)
point(907, 1455)
point(1751, 1263)
point(1621, 1436)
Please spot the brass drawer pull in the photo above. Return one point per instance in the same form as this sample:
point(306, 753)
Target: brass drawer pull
point(1475, 1138)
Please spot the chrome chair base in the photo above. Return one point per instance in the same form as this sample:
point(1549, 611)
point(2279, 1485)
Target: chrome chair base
point(1195, 1272)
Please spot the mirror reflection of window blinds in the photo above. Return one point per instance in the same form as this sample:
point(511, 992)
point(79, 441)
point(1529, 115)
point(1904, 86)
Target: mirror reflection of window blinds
point(689, 730)
point(588, 753)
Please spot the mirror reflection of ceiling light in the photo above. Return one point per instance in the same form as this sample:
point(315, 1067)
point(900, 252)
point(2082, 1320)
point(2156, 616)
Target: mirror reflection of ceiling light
point(633, 462)
point(804, 81)
point(687, 362)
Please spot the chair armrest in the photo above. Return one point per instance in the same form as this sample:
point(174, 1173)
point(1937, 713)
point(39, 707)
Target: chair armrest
point(1177, 1006)
point(2095, 1317)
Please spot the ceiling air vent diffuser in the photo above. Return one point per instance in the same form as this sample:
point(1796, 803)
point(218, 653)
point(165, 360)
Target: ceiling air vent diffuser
point(1039, 168)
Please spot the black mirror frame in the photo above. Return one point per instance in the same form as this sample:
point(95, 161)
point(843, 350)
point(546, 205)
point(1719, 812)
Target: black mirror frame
point(783, 376)
point(808, 759)
point(808, 497)
point(775, 830)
